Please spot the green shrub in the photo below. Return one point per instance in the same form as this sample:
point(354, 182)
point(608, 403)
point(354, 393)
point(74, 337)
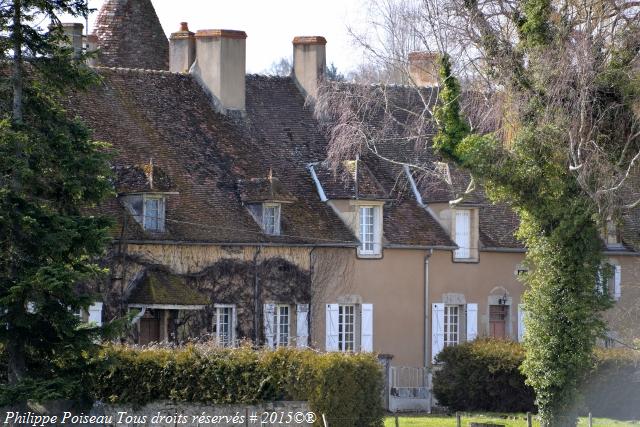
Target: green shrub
point(483, 375)
point(347, 388)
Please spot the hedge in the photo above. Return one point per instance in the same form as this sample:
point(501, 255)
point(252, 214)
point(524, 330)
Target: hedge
point(484, 375)
point(345, 387)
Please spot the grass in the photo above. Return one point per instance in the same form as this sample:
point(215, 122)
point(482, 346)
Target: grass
point(507, 420)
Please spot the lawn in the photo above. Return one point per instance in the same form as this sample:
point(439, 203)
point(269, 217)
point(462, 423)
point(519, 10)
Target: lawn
point(512, 420)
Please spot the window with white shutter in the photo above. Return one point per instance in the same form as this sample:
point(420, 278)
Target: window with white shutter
point(302, 325)
point(437, 329)
point(521, 325)
point(224, 324)
point(95, 313)
point(369, 230)
point(269, 312)
point(281, 325)
point(617, 282)
point(472, 322)
point(366, 336)
point(463, 234)
point(346, 327)
point(331, 326)
point(153, 213)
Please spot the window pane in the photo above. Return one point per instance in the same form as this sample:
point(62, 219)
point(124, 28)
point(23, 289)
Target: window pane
point(346, 328)
point(367, 229)
point(270, 219)
point(282, 325)
point(224, 326)
point(153, 214)
point(451, 325)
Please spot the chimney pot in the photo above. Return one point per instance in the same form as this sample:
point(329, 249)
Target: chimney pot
point(184, 26)
point(424, 68)
point(220, 66)
point(309, 62)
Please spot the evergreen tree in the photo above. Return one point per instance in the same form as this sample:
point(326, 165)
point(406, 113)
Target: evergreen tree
point(51, 176)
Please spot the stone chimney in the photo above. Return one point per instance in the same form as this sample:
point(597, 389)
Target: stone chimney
point(309, 62)
point(424, 68)
point(73, 32)
point(91, 46)
point(182, 49)
point(220, 67)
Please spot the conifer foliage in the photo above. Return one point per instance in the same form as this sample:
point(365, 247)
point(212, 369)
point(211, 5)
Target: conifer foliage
point(51, 176)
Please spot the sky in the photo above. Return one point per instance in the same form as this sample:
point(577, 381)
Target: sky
point(270, 25)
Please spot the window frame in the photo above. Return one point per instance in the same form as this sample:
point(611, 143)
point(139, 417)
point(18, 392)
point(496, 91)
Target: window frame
point(347, 345)
point(457, 254)
point(448, 332)
point(218, 308)
point(277, 324)
point(371, 237)
point(276, 218)
point(160, 218)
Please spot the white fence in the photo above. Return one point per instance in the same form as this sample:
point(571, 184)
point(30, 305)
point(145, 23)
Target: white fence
point(409, 389)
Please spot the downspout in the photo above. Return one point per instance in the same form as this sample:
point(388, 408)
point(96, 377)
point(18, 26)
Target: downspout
point(427, 335)
point(256, 296)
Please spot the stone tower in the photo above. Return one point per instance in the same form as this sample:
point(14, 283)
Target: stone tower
point(130, 36)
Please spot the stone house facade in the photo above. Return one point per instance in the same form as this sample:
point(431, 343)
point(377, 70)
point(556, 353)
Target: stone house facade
point(230, 226)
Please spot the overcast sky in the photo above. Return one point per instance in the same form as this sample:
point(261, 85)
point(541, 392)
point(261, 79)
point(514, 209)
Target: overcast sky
point(270, 25)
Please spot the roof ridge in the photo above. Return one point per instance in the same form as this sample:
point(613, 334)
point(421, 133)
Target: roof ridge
point(138, 70)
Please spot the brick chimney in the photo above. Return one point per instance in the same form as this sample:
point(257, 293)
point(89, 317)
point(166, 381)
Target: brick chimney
point(309, 62)
point(73, 32)
point(424, 68)
point(220, 67)
point(182, 49)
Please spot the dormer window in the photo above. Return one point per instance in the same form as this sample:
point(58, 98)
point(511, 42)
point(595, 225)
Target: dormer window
point(271, 218)
point(611, 234)
point(465, 234)
point(370, 230)
point(153, 213)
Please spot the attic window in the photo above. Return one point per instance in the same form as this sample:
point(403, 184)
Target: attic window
point(153, 213)
point(271, 218)
point(612, 236)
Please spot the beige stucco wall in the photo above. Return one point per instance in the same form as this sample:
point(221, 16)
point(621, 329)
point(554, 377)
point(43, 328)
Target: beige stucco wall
point(624, 317)
point(493, 276)
point(393, 284)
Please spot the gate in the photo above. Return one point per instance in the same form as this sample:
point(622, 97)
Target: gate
point(409, 389)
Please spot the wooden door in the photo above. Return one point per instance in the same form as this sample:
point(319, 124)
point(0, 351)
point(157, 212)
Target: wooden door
point(498, 321)
point(149, 329)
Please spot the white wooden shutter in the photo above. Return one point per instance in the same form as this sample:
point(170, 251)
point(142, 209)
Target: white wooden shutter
point(302, 325)
point(377, 229)
point(366, 337)
point(521, 327)
point(617, 279)
point(331, 321)
point(95, 313)
point(437, 329)
point(600, 282)
point(269, 333)
point(234, 325)
point(463, 233)
point(472, 322)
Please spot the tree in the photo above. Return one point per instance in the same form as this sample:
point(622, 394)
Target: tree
point(281, 67)
point(548, 121)
point(52, 175)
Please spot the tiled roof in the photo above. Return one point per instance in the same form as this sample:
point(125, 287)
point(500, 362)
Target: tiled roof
point(168, 118)
point(351, 180)
point(130, 35)
point(162, 287)
point(214, 164)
